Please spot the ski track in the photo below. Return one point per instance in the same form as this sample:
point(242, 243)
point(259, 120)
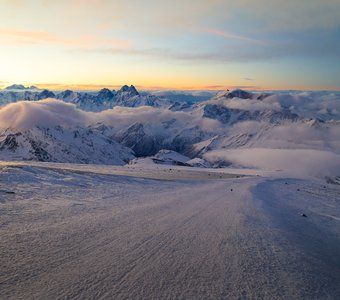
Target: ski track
point(71, 235)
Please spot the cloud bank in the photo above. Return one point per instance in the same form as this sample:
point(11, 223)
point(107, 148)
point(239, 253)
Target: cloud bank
point(301, 148)
point(24, 115)
point(50, 112)
point(323, 105)
point(298, 162)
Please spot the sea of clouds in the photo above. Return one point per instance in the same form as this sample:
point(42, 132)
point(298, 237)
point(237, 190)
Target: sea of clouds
point(299, 162)
point(323, 105)
point(301, 147)
point(23, 115)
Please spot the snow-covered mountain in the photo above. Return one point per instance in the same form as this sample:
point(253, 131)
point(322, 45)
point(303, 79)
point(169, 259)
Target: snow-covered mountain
point(20, 87)
point(237, 106)
point(60, 144)
point(163, 157)
point(127, 96)
point(66, 130)
point(146, 139)
point(14, 95)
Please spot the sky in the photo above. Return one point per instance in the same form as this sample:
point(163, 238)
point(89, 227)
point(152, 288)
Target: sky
point(198, 44)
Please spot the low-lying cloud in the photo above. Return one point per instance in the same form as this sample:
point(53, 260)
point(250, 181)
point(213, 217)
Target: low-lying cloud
point(24, 115)
point(323, 105)
point(253, 104)
point(299, 162)
point(50, 112)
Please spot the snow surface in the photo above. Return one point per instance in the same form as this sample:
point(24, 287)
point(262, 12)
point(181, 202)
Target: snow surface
point(164, 157)
point(155, 232)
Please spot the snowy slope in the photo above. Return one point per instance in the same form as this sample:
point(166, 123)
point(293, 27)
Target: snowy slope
point(164, 157)
point(66, 233)
point(59, 144)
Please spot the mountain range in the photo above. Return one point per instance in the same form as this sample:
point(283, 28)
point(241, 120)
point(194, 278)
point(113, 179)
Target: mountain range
point(118, 126)
point(127, 96)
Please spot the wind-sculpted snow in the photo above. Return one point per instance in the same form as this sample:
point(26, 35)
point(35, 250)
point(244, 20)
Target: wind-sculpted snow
point(84, 232)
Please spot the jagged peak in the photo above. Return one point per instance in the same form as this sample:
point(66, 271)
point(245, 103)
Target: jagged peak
point(106, 92)
point(66, 93)
point(129, 89)
point(47, 93)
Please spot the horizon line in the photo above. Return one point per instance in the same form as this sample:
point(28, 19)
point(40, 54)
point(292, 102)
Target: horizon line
point(95, 87)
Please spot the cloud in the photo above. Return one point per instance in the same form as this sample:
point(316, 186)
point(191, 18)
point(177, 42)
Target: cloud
point(286, 135)
point(247, 87)
point(283, 15)
point(186, 56)
point(24, 115)
point(3, 83)
point(155, 120)
point(282, 47)
point(299, 162)
point(260, 30)
point(251, 104)
point(215, 87)
point(323, 105)
point(50, 112)
point(229, 35)
point(14, 36)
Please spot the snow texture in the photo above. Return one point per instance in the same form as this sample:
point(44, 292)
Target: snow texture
point(100, 232)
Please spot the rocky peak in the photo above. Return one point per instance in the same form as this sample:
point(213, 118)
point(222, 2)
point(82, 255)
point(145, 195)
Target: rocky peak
point(105, 94)
point(131, 90)
point(46, 94)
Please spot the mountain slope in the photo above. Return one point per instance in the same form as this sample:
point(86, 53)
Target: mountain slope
point(59, 144)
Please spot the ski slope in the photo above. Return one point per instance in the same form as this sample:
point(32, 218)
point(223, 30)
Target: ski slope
point(101, 232)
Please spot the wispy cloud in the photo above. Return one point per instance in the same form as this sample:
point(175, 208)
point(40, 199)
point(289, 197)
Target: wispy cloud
point(3, 84)
point(80, 87)
point(290, 16)
point(192, 55)
point(27, 37)
point(245, 87)
point(14, 36)
point(229, 35)
point(215, 87)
